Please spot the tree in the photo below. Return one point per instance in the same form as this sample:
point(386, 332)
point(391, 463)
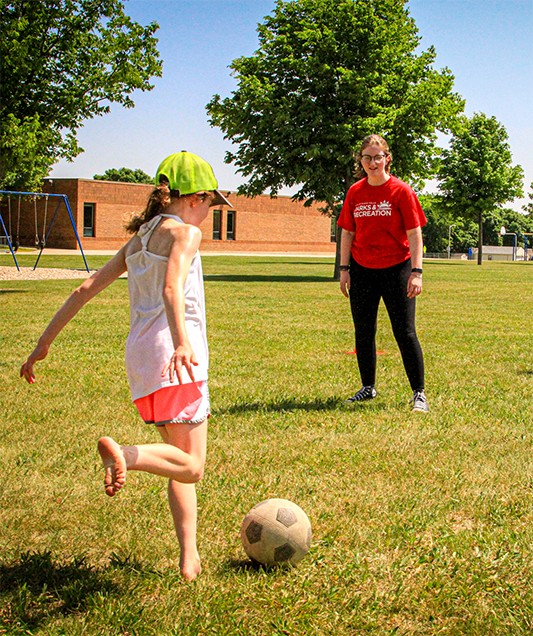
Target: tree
point(327, 74)
point(464, 233)
point(124, 174)
point(528, 207)
point(516, 223)
point(62, 62)
point(476, 175)
point(438, 229)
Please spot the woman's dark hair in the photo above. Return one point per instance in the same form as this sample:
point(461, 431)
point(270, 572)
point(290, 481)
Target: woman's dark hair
point(157, 202)
point(371, 140)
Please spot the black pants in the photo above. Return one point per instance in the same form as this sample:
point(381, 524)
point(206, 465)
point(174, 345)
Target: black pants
point(367, 287)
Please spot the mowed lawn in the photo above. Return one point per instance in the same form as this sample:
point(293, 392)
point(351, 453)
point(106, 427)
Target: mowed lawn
point(422, 524)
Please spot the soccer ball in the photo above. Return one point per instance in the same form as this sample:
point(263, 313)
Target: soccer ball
point(276, 531)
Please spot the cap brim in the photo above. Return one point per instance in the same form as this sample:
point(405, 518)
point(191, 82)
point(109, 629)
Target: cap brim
point(220, 199)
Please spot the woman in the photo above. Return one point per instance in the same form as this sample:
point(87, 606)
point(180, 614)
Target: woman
point(167, 340)
point(381, 257)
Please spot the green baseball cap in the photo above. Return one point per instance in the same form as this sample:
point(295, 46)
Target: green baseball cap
point(188, 174)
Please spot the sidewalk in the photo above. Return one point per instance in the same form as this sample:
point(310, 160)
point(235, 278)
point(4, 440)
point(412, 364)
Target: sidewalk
point(59, 252)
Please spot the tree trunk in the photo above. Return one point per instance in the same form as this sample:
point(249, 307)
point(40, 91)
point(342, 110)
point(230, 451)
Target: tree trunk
point(348, 182)
point(480, 240)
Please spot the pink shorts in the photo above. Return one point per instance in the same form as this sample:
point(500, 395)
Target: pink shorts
point(178, 404)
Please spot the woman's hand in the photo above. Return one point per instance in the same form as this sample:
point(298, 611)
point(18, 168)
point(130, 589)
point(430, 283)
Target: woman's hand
point(183, 356)
point(345, 283)
point(414, 286)
point(39, 353)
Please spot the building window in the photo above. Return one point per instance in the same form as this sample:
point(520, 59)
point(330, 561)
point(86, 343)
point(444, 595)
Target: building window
point(333, 233)
point(230, 229)
point(217, 225)
point(88, 219)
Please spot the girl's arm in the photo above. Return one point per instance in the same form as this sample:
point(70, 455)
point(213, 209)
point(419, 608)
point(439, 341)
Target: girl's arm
point(79, 297)
point(345, 255)
point(185, 242)
point(416, 246)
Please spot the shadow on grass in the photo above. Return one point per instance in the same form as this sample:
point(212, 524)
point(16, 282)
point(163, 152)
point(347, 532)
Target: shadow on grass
point(525, 372)
point(288, 405)
point(13, 291)
point(294, 262)
point(243, 565)
point(36, 588)
point(281, 406)
point(265, 278)
point(248, 565)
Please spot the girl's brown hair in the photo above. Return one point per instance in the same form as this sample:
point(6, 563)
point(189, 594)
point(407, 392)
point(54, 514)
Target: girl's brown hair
point(371, 140)
point(157, 202)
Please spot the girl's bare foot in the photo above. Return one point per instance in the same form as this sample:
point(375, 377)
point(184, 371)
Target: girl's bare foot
point(114, 465)
point(190, 568)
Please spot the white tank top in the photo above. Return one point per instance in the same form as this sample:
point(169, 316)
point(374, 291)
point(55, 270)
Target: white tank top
point(149, 346)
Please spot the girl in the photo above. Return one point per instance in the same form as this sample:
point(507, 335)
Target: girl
point(167, 340)
point(381, 257)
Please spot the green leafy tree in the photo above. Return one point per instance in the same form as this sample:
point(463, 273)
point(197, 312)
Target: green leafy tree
point(463, 236)
point(124, 174)
point(442, 227)
point(476, 176)
point(436, 230)
point(528, 207)
point(516, 223)
point(63, 62)
point(327, 74)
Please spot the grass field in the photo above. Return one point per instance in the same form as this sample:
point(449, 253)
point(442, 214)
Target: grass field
point(422, 524)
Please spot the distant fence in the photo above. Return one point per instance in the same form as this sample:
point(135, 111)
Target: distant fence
point(454, 256)
point(486, 257)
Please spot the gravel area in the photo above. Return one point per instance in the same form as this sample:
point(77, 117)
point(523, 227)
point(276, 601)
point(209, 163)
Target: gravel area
point(41, 273)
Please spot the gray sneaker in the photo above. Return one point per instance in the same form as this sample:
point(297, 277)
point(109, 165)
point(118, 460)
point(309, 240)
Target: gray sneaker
point(419, 402)
point(363, 395)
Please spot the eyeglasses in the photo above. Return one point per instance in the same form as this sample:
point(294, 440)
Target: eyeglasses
point(376, 158)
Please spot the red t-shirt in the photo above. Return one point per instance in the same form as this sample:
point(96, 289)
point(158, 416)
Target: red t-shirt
point(380, 216)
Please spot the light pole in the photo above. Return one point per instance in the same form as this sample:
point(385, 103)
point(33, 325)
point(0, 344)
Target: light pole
point(450, 240)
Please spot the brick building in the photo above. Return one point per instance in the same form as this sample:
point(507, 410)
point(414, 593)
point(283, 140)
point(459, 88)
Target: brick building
point(101, 208)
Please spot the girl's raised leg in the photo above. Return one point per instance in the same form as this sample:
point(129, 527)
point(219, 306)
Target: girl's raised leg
point(114, 465)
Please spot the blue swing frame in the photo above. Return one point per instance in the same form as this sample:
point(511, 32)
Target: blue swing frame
point(44, 194)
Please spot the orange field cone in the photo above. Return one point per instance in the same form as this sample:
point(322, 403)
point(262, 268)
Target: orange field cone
point(379, 353)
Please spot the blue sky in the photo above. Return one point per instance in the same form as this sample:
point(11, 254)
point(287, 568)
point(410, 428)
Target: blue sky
point(488, 46)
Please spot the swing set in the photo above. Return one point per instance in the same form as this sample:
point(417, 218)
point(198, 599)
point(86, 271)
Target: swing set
point(13, 240)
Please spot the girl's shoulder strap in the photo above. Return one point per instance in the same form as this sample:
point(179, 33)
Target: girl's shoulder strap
point(173, 216)
point(145, 231)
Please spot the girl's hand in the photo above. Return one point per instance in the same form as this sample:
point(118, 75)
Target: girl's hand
point(345, 283)
point(39, 353)
point(414, 286)
point(183, 356)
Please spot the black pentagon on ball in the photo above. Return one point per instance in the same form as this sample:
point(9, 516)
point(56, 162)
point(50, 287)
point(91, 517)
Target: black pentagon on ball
point(253, 532)
point(284, 553)
point(286, 516)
